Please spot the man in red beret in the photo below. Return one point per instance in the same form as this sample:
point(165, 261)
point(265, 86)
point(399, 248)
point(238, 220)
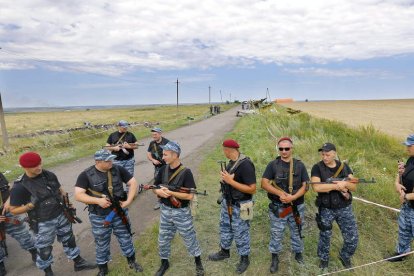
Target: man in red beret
point(39, 193)
point(238, 184)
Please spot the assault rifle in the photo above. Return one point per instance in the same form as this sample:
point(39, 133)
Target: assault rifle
point(69, 211)
point(290, 209)
point(226, 190)
point(174, 201)
point(352, 180)
point(3, 236)
point(122, 146)
point(117, 210)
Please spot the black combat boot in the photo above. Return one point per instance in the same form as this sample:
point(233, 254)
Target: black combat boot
point(48, 271)
point(274, 266)
point(81, 264)
point(219, 256)
point(33, 252)
point(299, 258)
point(199, 266)
point(398, 259)
point(163, 268)
point(3, 271)
point(103, 269)
point(323, 264)
point(345, 262)
point(133, 264)
point(243, 265)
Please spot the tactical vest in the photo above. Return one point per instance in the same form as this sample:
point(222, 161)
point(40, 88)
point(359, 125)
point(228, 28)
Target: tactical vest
point(408, 179)
point(231, 168)
point(48, 196)
point(176, 182)
point(282, 179)
point(332, 199)
point(98, 182)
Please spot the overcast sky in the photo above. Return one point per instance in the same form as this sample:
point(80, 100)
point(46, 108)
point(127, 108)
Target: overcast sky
point(59, 53)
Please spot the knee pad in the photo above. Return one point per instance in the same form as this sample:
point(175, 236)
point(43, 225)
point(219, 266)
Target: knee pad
point(71, 243)
point(45, 252)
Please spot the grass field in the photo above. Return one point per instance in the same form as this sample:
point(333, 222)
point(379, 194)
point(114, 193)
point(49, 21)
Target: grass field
point(394, 117)
point(373, 156)
point(66, 146)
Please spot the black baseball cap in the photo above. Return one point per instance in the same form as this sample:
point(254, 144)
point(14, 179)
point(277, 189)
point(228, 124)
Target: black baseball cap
point(327, 147)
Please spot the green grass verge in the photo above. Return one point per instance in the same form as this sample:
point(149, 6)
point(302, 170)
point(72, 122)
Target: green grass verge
point(369, 153)
point(61, 148)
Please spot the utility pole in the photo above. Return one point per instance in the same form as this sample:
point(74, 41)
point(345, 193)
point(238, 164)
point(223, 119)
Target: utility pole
point(209, 95)
point(177, 82)
point(230, 97)
point(3, 127)
point(221, 96)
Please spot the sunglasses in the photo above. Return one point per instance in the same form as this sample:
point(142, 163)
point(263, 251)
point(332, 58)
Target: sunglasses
point(284, 149)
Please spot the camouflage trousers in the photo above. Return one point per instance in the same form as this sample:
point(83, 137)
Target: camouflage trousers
point(129, 164)
point(171, 221)
point(20, 232)
point(347, 224)
point(277, 228)
point(102, 235)
point(405, 229)
point(239, 230)
point(58, 227)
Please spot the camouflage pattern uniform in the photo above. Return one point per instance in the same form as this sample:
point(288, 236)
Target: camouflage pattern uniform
point(171, 221)
point(277, 228)
point(405, 229)
point(102, 235)
point(129, 164)
point(61, 228)
point(20, 232)
point(239, 230)
point(347, 224)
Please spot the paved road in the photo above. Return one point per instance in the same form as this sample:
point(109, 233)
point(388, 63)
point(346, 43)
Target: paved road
point(195, 140)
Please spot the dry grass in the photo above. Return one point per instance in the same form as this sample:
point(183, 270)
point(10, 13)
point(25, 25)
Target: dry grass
point(394, 117)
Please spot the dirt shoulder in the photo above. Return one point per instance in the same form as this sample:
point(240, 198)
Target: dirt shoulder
point(195, 140)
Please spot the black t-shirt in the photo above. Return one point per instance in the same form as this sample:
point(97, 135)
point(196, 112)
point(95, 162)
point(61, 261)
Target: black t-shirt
point(155, 147)
point(19, 195)
point(317, 172)
point(128, 137)
point(408, 178)
point(4, 188)
point(83, 181)
point(187, 180)
point(245, 173)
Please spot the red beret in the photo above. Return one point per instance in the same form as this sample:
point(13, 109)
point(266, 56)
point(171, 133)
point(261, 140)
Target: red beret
point(284, 139)
point(230, 143)
point(30, 159)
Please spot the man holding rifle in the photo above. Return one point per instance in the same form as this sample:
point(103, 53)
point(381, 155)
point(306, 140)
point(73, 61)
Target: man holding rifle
point(154, 153)
point(12, 225)
point(39, 193)
point(238, 181)
point(404, 185)
point(175, 210)
point(101, 187)
point(122, 144)
point(285, 182)
point(334, 203)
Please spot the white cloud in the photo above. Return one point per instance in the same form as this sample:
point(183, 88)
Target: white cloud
point(120, 36)
point(344, 72)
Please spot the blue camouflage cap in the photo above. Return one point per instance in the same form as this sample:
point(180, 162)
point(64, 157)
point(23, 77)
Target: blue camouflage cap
point(172, 146)
point(123, 124)
point(104, 155)
point(156, 129)
point(409, 141)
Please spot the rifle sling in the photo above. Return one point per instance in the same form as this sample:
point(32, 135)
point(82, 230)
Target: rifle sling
point(175, 173)
point(110, 187)
point(341, 167)
point(120, 138)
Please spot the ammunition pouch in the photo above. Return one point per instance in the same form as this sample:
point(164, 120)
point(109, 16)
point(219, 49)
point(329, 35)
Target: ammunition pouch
point(322, 226)
point(246, 210)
